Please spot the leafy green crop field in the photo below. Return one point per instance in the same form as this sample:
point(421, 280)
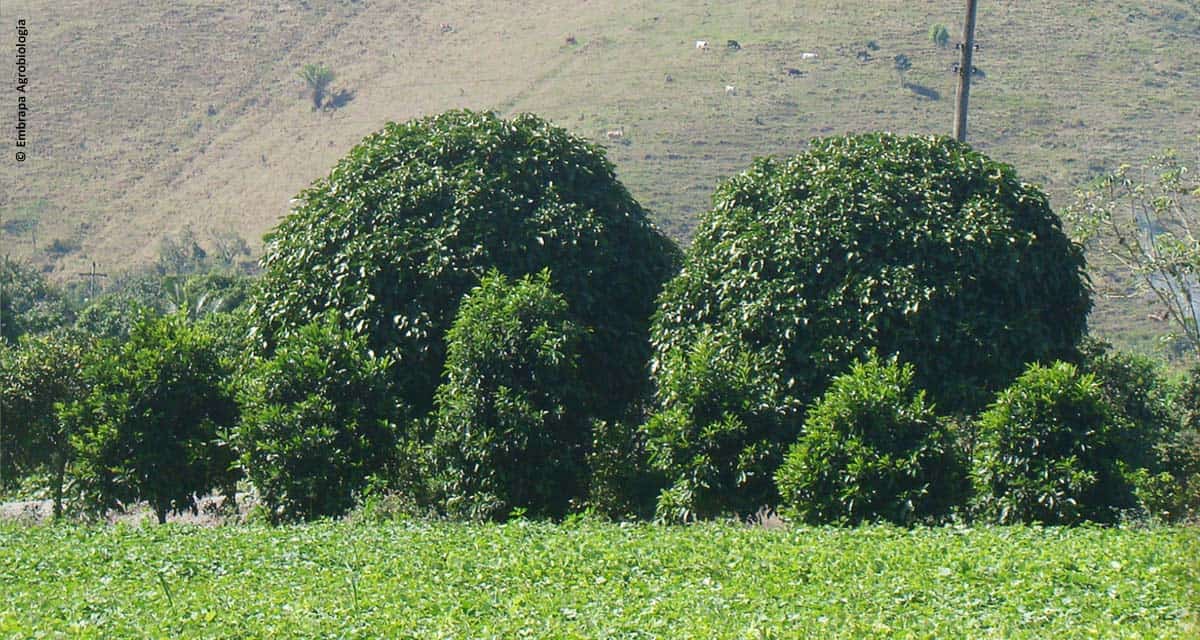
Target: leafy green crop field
point(342, 580)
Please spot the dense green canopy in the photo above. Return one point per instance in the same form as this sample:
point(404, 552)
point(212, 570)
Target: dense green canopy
point(913, 246)
point(918, 248)
point(509, 431)
point(415, 215)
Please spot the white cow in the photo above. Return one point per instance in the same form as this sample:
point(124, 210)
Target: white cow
point(615, 134)
point(730, 90)
point(702, 45)
point(808, 55)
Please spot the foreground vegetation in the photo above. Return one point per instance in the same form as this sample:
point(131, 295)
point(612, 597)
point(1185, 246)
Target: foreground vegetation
point(466, 297)
point(590, 580)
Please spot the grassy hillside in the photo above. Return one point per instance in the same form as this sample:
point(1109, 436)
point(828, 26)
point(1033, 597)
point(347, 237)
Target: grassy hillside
point(190, 113)
point(524, 580)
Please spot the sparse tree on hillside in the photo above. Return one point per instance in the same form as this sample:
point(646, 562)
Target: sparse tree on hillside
point(181, 254)
point(317, 77)
point(939, 35)
point(902, 65)
point(1146, 227)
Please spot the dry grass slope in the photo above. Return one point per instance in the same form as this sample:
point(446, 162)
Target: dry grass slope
point(149, 118)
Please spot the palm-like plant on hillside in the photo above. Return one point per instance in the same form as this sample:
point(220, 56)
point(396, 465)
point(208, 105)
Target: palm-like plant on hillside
point(179, 299)
point(318, 78)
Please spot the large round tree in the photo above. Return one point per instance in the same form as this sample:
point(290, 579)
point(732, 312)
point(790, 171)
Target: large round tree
point(413, 217)
point(918, 248)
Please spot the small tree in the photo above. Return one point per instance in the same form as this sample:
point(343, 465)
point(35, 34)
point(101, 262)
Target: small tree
point(872, 449)
point(1146, 226)
point(1052, 450)
point(939, 35)
point(1137, 391)
point(38, 377)
point(317, 421)
point(28, 304)
point(112, 315)
point(148, 428)
point(722, 433)
point(200, 295)
point(181, 254)
point(317, 78)
point(511, 428)
point(902, 64)
point(622, 484)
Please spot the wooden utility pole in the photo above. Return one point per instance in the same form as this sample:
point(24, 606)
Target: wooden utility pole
point(966, 49)
point(92, 284)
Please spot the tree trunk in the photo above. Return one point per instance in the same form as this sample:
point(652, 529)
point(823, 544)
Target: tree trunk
point(161, 511)
point(230, 497)
point(59, 461)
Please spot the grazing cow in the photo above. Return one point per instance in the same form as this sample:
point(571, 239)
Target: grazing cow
point(863, 56)
point(446, 27)
point(702, 45)
point(572, 40)
point(730, 90)
point(733, 45)
point(615, 134)
point(808, 55)
point(794, 72)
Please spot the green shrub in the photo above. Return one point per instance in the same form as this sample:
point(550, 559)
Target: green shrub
point(719, 440)
point(1051, 451)
point(234, 350)
point(872, 449)
point(62, 246)
point(317, 421)
point(939, 35)
point(39, 373)
point(1179, 456)
point(1139, 393)
point(510, 428)
point(148, 428)
point(918, 248)
point(28, 304)
point(622, 484)
point(111, 315)
point(1159, 448)
point(417, 213)
point(1180, 482)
